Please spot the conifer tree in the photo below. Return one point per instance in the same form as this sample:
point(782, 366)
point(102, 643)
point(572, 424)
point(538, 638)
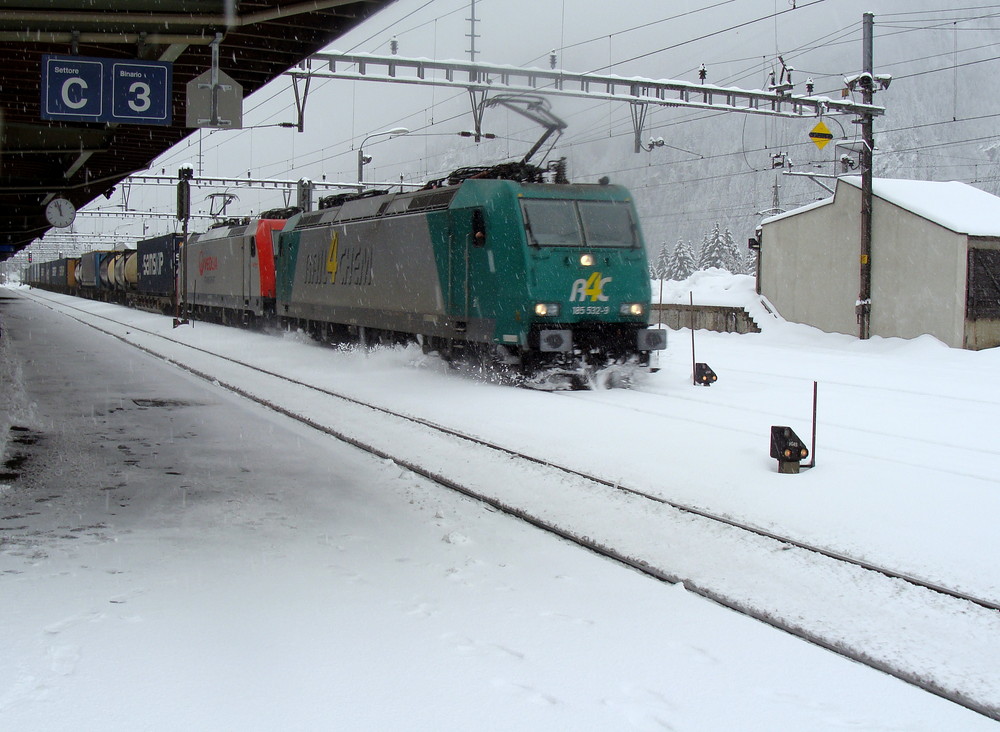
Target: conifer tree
point(681, 263)
point(734, 257)
point(750, 262)
point(713, 250)
point(660, 266)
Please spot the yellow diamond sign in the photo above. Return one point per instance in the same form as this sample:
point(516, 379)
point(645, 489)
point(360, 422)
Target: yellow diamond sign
point(820, 134)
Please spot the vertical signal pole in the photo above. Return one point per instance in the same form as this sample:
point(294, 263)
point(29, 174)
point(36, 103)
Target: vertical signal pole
point(184, 176)
point(867, 81)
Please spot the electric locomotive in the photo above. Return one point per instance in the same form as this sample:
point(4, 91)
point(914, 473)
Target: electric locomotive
point(547, 281)
point(227, 273)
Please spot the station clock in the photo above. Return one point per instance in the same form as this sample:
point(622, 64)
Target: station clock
point(60, 212)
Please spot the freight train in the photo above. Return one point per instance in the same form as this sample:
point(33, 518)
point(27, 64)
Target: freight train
point(546, 283)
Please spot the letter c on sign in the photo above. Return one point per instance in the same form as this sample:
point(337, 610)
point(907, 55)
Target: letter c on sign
point(65, 92)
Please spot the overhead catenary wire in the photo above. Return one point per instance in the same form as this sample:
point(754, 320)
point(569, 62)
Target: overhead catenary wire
point(619, 126)
point(624, 31)
point(708, 35)
point(627, 30)
point(287, 163)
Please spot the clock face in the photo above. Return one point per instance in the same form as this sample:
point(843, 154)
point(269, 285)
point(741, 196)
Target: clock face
point(60, 212)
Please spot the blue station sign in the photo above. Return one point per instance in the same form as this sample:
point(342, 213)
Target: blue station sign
point(84, 89)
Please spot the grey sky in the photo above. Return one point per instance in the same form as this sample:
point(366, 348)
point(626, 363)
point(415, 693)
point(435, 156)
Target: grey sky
point(738, 41)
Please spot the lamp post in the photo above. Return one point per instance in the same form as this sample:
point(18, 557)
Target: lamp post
point(362, 160)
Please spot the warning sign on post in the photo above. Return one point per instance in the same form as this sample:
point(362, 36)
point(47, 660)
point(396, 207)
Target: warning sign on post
point(820, 134)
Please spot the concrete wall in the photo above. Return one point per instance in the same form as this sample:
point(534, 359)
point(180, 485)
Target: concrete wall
point(918, 276)
point(719, 318)
point(810, 270)
point(809, 265)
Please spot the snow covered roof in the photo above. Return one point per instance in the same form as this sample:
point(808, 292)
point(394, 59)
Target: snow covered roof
point(956, 206)
point(799, 210)
point(953, 205)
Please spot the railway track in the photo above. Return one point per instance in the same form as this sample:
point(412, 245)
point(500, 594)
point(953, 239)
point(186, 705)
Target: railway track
point(639, 510)
point(932, 445)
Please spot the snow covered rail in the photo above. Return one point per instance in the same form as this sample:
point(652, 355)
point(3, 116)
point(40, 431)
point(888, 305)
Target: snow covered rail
point(888, 623)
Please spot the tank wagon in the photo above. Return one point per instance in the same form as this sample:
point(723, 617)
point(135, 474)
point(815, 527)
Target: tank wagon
point(107, 275)
point(88, 275)
point(548, 280)
point(122, 276)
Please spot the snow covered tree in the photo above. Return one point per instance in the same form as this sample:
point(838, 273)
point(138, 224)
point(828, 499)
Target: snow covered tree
point(660, 265)
point(750, 262)
point(713, 250)
point(680, 265)
point(734, 257)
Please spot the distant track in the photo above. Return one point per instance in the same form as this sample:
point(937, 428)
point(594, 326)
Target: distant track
point(853, 428)
point(636, 563)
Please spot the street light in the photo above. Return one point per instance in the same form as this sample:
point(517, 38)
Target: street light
point(362, 160)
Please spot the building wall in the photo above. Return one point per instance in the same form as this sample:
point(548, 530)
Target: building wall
point(918, 277)
point(810, 270)
point(808, 266)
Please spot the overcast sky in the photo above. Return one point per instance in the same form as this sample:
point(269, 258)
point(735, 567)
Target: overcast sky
point(738, 41)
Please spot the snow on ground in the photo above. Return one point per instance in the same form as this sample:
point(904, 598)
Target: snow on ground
point(213, 566)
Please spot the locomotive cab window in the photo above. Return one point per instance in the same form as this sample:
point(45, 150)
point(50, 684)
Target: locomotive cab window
point(552, 223)
point(607, 224)
point(579, 223)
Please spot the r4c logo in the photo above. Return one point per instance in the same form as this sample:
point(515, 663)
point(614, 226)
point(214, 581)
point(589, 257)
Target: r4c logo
point(593, 287)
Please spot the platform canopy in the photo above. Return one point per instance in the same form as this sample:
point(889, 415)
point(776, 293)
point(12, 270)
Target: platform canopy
point(41, 159)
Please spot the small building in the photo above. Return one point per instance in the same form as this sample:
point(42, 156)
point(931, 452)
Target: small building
point(935, 262)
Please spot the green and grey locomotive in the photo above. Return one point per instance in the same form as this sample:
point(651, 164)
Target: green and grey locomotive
point(548, 281)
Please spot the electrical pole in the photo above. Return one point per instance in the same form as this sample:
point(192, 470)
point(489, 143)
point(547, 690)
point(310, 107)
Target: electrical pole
point(472, 31)
point(867, 81)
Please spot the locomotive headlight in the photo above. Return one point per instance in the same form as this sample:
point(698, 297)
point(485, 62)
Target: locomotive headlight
point(633, 308)
point(547, 309)
point(587, 260)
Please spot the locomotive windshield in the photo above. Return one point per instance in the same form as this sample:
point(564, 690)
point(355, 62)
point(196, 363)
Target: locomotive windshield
point(552, 223)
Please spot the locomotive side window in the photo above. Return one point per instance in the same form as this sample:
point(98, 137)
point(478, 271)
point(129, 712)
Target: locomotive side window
point(478, 227)
point(552, 223)
point(607, 224)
